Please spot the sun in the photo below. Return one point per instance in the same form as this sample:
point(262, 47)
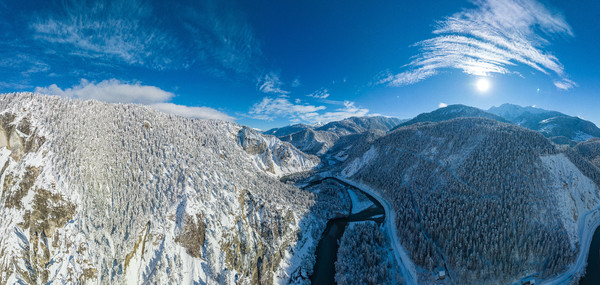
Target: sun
point(483, 85)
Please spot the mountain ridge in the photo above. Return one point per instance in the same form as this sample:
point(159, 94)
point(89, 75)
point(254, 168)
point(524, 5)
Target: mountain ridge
point(125, 194)
point(549, 123)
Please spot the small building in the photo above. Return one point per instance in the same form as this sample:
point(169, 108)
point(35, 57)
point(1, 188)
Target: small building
point(441, 275)
point(528, 281)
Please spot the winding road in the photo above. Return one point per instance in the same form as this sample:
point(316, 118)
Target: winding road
point(586, 234)
point(407, 267)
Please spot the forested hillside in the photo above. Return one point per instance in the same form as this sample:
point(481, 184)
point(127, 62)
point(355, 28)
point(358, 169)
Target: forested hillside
point(590, 150)
point(111, 193)
point(483, 198)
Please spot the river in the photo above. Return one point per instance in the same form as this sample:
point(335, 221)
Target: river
point(592, 270)
point(327, 248)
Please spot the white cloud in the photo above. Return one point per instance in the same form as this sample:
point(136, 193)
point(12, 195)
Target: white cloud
point(320, 94)
point(115, 91)
point(493, 37)
point(407, 77)
point(564, 84)
point(271, 108)
point(349, 110)
point(442, 105)
point(111, 90)
point(271, 84)
point(191, 112)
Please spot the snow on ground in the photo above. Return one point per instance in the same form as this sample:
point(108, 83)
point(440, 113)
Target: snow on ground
point(406, 265)
point(294, 258)
point(359, 202)
point(546, 128)
point(578, 201)
point(574, 193)
point(581, 136)
point(358, 163)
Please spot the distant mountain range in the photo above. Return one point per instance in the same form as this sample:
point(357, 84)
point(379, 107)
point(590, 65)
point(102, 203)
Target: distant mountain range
point(451, 112)
point(560, 128)
point(551, 124)
point(319, 139)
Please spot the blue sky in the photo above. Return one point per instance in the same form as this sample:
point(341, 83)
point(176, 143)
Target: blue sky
point(273, 63)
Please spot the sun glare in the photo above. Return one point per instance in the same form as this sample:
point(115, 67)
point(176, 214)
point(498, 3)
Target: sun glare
point(483, 85)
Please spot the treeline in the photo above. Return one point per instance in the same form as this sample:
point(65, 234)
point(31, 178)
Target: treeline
point(471, 194)
point(364, 256)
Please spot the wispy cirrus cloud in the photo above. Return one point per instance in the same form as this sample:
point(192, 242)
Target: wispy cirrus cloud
point(270, 108)
point(211, 35)
point(319, 94)
point(493, 37)
point(222, 38)
point(271, 84)
point(126, 31)
point(116, 91)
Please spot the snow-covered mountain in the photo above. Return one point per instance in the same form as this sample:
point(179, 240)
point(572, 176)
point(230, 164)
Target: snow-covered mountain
point(486, 200)
point(287, 130)
point(451, 112)
point(318, 140)
point(552, 124)
point(111, 194)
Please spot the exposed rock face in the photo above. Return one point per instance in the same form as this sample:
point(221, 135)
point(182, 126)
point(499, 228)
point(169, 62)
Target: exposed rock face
point(50, 212)
point(272, 155)
point(33, 209)
point(193, 234)
point(17, 135)
point(111, 194)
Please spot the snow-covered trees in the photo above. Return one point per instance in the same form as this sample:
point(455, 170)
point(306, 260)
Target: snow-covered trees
point(470, 194)
point(364, 256)
point(141, 181)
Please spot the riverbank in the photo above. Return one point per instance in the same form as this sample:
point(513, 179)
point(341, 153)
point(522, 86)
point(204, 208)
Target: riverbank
point(327, 247)
point(409, 272)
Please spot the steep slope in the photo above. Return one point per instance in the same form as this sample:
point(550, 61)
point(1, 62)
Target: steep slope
point(287, 130)
point(451, 112)
point(590, 150)
point(111, 194)
point(319, 140)
point(272, 155)
point(550, 123)
point(485, 200)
